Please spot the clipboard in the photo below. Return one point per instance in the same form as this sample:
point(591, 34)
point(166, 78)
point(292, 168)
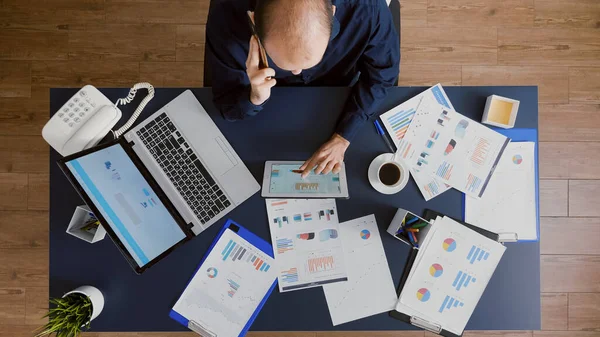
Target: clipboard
point(522, 135)
point(415, 320)
point(257, 242)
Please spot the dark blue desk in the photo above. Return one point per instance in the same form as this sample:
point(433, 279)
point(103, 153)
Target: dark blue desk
point(294, 123)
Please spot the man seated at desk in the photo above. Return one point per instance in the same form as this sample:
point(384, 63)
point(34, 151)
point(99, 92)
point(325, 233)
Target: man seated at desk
point(307, 42)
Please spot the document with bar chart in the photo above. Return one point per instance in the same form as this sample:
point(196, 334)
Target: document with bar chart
point(449, 275)
point(509, 205)
point(397, 120)
point(370, 289)
point(452, 148)
point(305, 234)
point(228, 287)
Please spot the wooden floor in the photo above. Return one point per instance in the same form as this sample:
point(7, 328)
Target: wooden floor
point(554, 44)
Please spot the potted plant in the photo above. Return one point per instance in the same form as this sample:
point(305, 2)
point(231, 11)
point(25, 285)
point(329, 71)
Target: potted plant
point(71, 314)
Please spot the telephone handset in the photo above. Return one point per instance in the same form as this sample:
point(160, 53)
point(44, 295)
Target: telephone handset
point(88, 117)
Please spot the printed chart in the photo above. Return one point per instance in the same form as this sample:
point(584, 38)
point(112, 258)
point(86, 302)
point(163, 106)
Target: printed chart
point(226, 291)
point(305, 235)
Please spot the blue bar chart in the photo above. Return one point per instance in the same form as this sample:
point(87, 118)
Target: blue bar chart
point(462, 280)
point(477, 254)
point(450, 302)
point(233, 287)
point(237, 252)
point(289, 276)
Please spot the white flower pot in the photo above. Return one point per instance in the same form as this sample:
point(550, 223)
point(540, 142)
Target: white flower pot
point(95, 297)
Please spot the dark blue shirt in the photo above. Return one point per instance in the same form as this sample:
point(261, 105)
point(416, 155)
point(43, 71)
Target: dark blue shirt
point(363, 52)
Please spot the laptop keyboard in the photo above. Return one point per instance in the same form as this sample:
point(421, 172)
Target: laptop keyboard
point(183, 168)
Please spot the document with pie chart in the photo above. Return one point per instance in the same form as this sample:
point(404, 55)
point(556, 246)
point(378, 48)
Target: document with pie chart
point(508, 207)
point(449, 275)
point(370, 289)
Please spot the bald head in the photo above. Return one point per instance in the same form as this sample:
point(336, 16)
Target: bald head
point(295, 33)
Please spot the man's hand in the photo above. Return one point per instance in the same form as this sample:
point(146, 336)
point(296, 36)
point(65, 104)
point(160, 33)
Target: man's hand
point(261, 80)
point(329, 157)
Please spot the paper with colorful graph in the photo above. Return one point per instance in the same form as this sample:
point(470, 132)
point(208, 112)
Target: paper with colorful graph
point(452, 148)
point(449, 275)
point(508, 206)
point(370, 288)
point(397, 121)
point(306, 242)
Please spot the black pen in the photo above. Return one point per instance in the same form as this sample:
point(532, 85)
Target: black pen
point(385, 138)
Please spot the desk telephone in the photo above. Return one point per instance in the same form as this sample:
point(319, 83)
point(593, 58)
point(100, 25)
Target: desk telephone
point(88, 117)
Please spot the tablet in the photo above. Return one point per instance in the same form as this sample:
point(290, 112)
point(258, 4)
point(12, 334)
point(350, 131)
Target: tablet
point(280, 181)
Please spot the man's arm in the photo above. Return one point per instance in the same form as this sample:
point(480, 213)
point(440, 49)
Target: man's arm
point(233, 67)
point(379, 67)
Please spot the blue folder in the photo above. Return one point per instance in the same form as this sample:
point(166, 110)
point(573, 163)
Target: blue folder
point(254, 240)
point(525, 135)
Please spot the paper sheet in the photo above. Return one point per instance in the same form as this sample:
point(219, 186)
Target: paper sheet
point(451, 271)
point(397, 121)
point(509, 205)
point(305, 238)
point(370, 289)
point(452, 148)
point(228, 287)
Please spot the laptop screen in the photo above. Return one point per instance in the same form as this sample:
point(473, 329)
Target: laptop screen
point(127, 202)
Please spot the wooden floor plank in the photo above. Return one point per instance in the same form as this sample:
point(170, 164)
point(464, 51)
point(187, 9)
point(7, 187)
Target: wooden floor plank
point(554, 197)
point(173, 74)
point(566, 160)
point(584, 311)
point(584, 84)
point(572, 13)
point(23, 154)
point(429, 74)
point(69, 74)
point(553, 232)
point(190, 43)
point(124, 42)
point(36, 305)
point(24, 229)
point(552, 81)
point(569, 122)
point(20, 116)
point(570, 273)
point(566, 334)
point(157, 11)
point(60, 12)
point(15, 79)
point(12, 306)
point(449, 46)
point(38, 192)
point(38, 42)
point(584, 198)
point(370, 334)
point(554, 311)
point(13, 191)
point(413, 13)
point(549, 46)
point(23, 268)
point(490, 334)
point(480, 13)
point(13, 330)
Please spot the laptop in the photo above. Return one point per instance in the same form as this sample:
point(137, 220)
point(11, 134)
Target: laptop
point(163, 182)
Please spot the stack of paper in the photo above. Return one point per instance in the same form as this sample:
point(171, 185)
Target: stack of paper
point(370, 288)
point(449, 274)
point(508, 206)
point(305, 234)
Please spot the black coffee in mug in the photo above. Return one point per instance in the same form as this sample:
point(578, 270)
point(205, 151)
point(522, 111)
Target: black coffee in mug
point(389, 174)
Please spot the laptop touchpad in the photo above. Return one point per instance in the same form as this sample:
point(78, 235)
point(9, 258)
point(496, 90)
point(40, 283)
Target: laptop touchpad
point(219, 157)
